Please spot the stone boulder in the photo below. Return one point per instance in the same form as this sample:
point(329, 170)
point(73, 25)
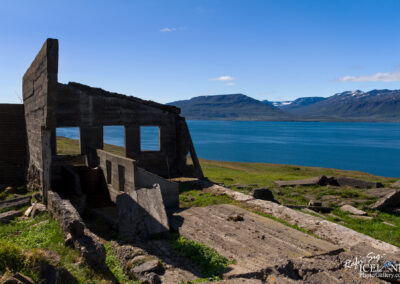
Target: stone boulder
point(352, 210)
point(263, 193)
point(389, 201)
point(315, 203)
point(38, 208)
point(357, 183)
point(137, 264)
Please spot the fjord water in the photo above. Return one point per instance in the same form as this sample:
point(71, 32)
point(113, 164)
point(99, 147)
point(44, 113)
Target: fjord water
point(368, 147)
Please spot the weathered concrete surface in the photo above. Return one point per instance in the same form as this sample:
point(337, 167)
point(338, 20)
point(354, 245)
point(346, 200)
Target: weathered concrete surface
point(327, 230)
point(9, 215)
point(389, 201)
point(255, 242)
point(15, 202)
point(321, 180)
point(357, 183)
point(39, 90)
point(379, 192)
point(352, 210)
point(141, 213)
point(169, 189)
point(396, 184)
point(262, 248)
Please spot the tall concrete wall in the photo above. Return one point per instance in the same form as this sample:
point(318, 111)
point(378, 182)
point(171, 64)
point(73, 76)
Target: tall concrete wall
point(49, 104)
point(12, 144)
point(93, 108)
point(39, 94)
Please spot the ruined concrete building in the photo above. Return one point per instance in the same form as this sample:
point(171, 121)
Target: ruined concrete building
point(28, 142)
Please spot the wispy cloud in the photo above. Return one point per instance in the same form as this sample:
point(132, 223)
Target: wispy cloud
point(167, 30)
point(378, 77)
point(230, 84)
point(224, 79)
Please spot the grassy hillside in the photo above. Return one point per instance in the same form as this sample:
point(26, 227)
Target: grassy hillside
point(244, 177)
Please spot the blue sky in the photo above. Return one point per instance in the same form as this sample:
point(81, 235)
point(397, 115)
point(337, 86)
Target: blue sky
point(171, 50)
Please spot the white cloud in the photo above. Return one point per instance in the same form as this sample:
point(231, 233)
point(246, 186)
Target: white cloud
point(230, 84)
point(167, 30)
point(378, 77)
point(223, 78)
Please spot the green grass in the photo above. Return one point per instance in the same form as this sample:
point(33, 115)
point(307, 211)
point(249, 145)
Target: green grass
point(197, 198)
point(211, 263)
point(20, 190)
point(67, 146)
point(13, 259)
point(375, 228)
point(43, 233)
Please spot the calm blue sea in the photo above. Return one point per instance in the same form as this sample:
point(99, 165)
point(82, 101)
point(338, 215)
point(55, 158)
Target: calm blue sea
point(368, 147)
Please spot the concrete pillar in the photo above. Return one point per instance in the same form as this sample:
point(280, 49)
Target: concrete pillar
point(132, 141)
point(91, 138)
point(53, 142)
point(46, 161)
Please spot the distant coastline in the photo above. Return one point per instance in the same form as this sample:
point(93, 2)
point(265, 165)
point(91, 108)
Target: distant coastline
point(349, 106)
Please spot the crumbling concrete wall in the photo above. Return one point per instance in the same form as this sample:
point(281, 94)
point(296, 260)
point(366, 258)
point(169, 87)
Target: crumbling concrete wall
point(119, 173)
point(39, 95)
point(169, 189)
point(92, 108)
point(12, 144)
point(49, 104)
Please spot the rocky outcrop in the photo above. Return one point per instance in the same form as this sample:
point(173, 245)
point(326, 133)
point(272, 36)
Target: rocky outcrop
point(73, 227)
point(137, 264)
point(389, 201)
point(352, 210)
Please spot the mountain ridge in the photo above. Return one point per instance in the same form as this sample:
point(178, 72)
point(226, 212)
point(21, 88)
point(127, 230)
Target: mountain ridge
point(228, 107)
point(374, 105)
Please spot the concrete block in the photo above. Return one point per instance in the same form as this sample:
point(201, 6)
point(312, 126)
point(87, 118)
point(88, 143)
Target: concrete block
point(141, 213)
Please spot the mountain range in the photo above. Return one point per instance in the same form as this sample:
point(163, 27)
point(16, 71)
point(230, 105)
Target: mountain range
point(375, 105)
